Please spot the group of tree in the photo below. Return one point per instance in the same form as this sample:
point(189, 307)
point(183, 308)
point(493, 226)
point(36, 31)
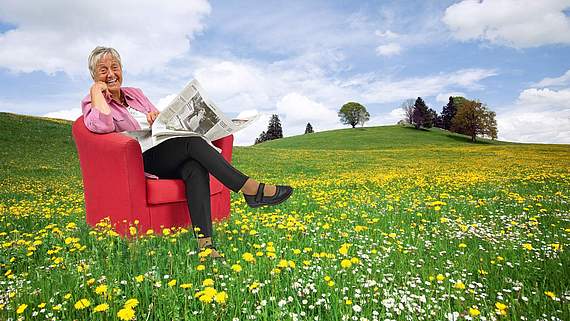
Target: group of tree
point(460, 115)
point(275, 131)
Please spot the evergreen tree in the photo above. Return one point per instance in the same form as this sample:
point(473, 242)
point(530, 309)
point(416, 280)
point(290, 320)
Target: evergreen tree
point(449, 111)
point(420, 117)
point(274, 130)
point(431, 118)
point(309, 129)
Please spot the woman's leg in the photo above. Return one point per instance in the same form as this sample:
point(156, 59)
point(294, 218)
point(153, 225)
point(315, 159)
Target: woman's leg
point(197, 181)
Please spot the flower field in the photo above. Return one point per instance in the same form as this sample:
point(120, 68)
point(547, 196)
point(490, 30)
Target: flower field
point(442, 231)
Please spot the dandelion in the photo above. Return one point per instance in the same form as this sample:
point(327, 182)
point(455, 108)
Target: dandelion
point(474, 312)
point(459, 285)
point(139, 278)
point(346, 263)
point(186, 285)
point(501, 308)
point(462, 245)
point(21, 308)
point(201, 267)
point(221, 297)
point(440, 277)
point(248, 257)
point(101, 307)
point(236, 268)
point(550, 294)
point(208, 282)
point(172, 283)
point(126, 314)
point(131, 303)
point(101, 289)
point(82, 304)
point(527, 246)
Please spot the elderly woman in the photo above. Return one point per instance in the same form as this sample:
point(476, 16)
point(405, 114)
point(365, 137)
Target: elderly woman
point(109, 107)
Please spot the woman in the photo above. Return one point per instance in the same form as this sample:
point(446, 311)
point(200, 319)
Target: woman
point(112, 108)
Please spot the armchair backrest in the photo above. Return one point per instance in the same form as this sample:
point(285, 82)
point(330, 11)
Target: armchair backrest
point(113, 175)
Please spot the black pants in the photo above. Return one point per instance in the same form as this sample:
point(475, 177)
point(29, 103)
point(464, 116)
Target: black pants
point(192, 159)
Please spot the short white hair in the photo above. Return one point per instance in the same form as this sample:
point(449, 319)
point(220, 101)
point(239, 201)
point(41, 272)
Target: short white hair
point(100, 52)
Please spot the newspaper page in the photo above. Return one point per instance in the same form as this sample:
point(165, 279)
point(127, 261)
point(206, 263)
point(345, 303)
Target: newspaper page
point(191, 113)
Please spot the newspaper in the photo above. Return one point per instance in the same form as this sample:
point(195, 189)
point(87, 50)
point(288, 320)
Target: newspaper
point(191, 113)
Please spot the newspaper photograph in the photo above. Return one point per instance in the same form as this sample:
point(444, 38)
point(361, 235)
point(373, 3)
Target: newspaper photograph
point(191, 113)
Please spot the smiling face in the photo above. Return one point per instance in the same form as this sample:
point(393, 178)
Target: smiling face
point(109, 71)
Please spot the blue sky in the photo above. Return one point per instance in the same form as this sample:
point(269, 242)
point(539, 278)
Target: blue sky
point(301, 59)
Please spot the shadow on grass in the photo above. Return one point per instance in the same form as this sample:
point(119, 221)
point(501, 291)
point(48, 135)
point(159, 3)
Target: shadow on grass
point(419, 129)
point(465, 139)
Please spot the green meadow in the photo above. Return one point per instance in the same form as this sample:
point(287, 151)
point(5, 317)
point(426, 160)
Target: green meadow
point(386, 223)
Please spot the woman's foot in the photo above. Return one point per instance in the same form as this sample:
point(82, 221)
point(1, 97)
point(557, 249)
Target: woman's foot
point(251, 186)
point(263, 196)
point(207, 249)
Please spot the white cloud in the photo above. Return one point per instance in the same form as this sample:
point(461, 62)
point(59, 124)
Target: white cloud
point(69, 114)
point(390, 118)
point(389, 49)
point(297, 110)
point(382, 91)
point(515, 23)
point(58, 35)
point(444, 97)
point(538, 116)
point(555, 82)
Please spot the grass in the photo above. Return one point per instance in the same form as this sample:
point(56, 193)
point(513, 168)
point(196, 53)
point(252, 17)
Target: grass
point(385, 223)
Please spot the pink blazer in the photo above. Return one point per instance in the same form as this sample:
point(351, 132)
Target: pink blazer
point(120, 119)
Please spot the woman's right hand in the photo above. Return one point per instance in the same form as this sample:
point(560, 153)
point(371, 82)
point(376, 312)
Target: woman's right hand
point(101, 87)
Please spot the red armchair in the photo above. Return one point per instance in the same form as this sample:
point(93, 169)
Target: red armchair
point(115, 185)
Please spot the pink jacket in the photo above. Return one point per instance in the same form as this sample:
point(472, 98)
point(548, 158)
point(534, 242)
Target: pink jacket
point(120, 119)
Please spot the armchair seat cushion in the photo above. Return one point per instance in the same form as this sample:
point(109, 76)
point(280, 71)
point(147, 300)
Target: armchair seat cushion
point(161, 191)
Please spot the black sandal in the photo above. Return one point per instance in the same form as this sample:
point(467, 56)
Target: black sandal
point(281, 194)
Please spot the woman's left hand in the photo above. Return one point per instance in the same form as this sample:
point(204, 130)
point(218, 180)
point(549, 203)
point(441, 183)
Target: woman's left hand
point(150, 117)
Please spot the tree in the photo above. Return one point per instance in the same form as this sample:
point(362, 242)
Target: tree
point(449, 111)
point(420, 116)
point(274, 130)
point(309, 129)
point(408, 107)
point(431, 118)
point(473, 119)
point(353, 113)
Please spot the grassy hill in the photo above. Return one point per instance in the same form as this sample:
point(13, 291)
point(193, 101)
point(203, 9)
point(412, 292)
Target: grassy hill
point(381, 137)
point(385, 223)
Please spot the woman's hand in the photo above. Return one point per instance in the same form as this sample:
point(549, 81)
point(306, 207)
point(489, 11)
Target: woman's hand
point(150, 117)
point(101, 87)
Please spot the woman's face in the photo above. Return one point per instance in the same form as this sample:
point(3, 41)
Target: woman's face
point(109, 71)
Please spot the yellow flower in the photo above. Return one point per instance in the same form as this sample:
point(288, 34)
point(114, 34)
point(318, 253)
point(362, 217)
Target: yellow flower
point(42, 305)
point(345, 263)
point(200, 267)
point(126, 314)
point(348, 302)
point(82, 304)
point(91, 281)
point(459, 285)
point(101, 308)
point(139, 278)
point(440, 277)
point(67, 296)
point(354, 260)
point(221, 297)
point(248, 257)
point(474, 312)
point(236, 268)
point(21, 308)
point(172, 283)
point(501, 308)
point(527, 246)
point(282, 264)
point(443, 220)
point(253, 286)
point(131, 303)
point(57, 307)
point(101, 289)
point(330, 283)
point(462, 245)
point(550, 294)
point(208, 282)
point(166, 232)
point(392, 235)
point(185, 285)
point(296, 251)
point(133, 231)
point(555, 246)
